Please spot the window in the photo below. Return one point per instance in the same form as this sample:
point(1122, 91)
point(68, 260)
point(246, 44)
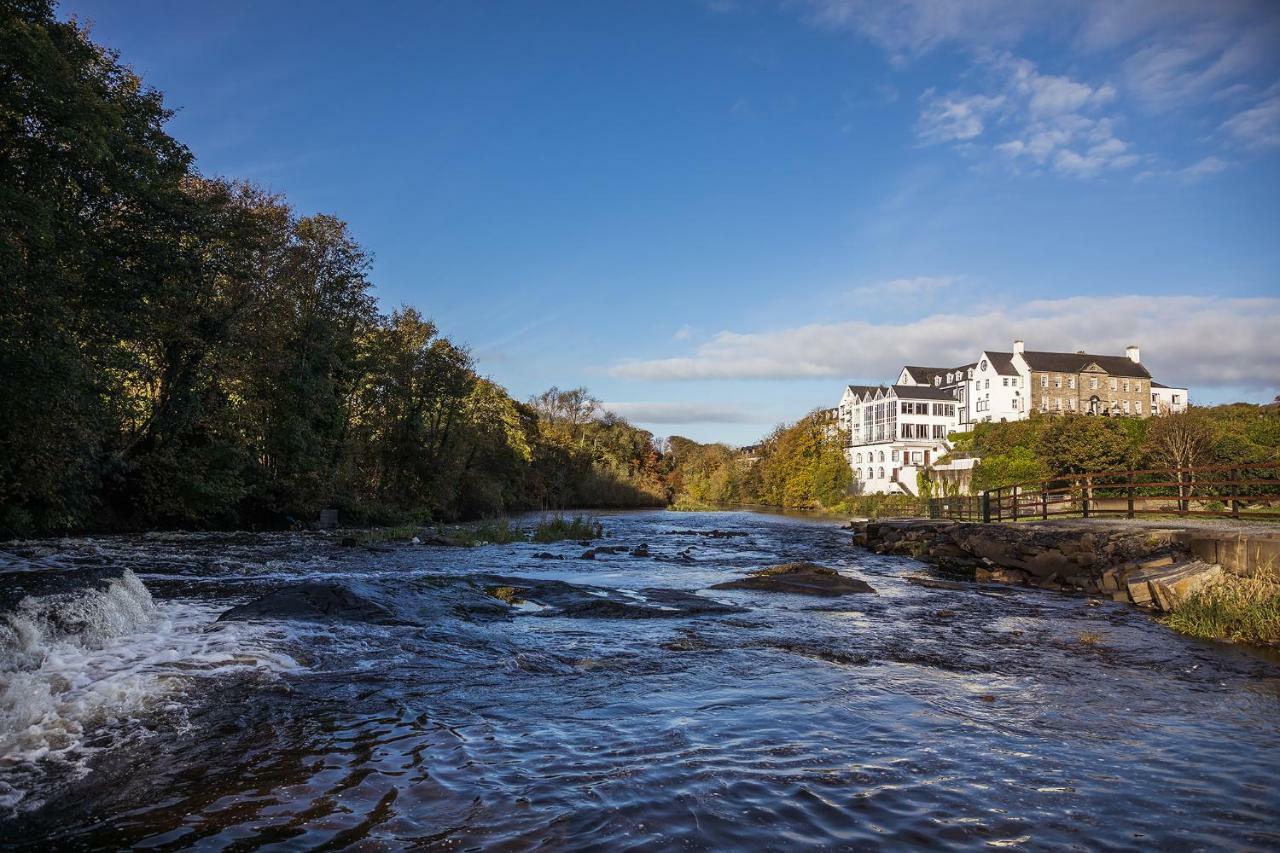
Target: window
point(1125, 404)
point(1071, 403)
point(857, 473)
point(1057, 404)
point(882, 459)
point(982, 365)
point(859, 459)
point(1093, 383)
point(948, 378)
point(1137, 386)
point(1006, 382)
point(1177, 398)
point(1044, 380)
point(1044, 404)
point(1057, 381)
point(939, 431)
point(937, 380)
point(970, 372)
point(1071, 382)
point(988, 385)
point(1137, 408)
point(917, 457)
point(1113, 384)
point(895, 456)
point(1126, 386)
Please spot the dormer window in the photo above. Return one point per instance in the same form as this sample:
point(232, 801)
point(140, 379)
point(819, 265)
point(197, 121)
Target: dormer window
point(937, 380)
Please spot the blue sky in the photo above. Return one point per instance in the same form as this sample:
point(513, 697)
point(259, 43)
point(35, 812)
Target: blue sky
point(716, 214)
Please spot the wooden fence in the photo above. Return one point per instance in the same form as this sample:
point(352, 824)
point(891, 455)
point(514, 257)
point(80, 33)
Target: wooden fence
point(1233, 491)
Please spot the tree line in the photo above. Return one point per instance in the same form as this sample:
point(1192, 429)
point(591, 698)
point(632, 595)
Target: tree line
point(1043, 447)
point(184, 350)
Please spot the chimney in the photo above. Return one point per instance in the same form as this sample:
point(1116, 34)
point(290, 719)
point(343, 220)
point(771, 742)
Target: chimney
point(1132, 352)
point(1019, 346)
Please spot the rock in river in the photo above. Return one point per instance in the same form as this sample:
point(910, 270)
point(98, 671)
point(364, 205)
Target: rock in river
point(801, 578)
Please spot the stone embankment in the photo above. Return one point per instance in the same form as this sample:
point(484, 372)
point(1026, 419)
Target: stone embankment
point(1149, 566)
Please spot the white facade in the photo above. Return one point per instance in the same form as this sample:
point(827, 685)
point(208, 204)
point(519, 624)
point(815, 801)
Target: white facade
point(1166, 400)
point(894, 433)
point(998, 390)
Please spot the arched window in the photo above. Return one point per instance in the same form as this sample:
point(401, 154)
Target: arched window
point(871, 473)
point(858, 458)
point(881, 460)
point(881, 473)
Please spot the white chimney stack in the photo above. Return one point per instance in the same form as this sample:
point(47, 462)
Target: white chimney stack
point(1018, 346)
point(1132, 352)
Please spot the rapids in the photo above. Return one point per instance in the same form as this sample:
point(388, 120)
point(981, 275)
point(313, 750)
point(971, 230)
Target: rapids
point(288, 691)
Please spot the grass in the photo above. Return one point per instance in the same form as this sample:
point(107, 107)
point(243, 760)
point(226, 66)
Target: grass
point(496, 532)
point(558, 528)
point(1232, 608)
point(379, 535)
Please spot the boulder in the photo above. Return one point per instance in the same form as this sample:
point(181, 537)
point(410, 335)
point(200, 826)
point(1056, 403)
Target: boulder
point(799, 578)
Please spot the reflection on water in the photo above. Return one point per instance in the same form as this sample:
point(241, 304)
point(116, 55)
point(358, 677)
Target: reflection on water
point(614, 712)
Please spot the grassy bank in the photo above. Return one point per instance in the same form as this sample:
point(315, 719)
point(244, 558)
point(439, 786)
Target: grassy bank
point(1232, 609)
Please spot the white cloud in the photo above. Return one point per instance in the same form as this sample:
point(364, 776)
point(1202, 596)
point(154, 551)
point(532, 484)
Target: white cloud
point(953, 118)
point(683, 333)
point(919, 285)
point(1051, 119)
point(1202, 341)
point(1258, 126)
point(912, 27)
point(683, 413)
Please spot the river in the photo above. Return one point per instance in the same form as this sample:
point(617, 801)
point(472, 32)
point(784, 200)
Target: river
point(629, 707)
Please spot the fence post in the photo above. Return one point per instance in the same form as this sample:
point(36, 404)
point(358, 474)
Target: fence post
point(1233, 474)
point(1130, 515)
point(1015, 492)
point(1044, 504)
point(986, 507)
point(1084, 500)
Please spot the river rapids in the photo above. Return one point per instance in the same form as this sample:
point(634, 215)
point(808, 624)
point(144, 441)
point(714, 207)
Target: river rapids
point(287, 691)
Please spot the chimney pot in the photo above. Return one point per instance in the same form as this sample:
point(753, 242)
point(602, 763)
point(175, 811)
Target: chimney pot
point(1132, 352)
point(1019, 346)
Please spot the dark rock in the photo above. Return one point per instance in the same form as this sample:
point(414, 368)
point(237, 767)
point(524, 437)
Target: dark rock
point(314, 601)
point(547, 555)
point(588, 555)
point(799, 578)
point(640, 550)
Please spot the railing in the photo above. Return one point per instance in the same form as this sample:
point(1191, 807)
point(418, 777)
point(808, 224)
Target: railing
point(1234, 491)
point(961, 508)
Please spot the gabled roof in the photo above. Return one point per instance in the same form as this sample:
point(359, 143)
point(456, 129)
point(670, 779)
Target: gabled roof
point(861, 389)
point(922, 392)
point(1075, 362)
point(924, 375)
point(1002, 362)
point(1155, 384)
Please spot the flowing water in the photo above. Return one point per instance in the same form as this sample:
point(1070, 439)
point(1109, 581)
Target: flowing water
point(385, 700)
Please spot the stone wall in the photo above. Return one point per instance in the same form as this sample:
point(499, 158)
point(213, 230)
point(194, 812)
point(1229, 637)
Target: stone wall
point(1145, 566)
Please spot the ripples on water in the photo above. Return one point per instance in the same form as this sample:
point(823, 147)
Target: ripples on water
point(914, 717)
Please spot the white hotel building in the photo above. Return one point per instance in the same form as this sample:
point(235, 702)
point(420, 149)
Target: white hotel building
point(897, 430)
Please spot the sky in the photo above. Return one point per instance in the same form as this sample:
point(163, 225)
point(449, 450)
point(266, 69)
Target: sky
point(714, 215)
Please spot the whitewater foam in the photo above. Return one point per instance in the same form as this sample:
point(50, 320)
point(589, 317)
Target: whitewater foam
point(95, 664)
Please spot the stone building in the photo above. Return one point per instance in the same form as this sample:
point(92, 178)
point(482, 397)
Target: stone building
point(1085, 384)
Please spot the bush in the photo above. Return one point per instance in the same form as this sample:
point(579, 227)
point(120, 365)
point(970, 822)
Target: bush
point(1231, 608)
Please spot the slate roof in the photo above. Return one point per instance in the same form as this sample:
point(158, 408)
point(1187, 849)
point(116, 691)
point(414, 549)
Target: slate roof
point(1074, 362)
point(1002, 362)
point(924, 375)
point(923, 392)
point(864, 390)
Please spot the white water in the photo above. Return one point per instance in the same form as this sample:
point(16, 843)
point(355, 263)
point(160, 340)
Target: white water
point(92, 665)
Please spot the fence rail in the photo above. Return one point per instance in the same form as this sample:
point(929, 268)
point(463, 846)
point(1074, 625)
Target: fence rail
point(1232, 491)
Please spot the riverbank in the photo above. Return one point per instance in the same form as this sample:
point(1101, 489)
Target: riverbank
point(1216, 580)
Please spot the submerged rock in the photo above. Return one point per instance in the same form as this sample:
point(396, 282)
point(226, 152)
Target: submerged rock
point(314, 601)
point(800, 578)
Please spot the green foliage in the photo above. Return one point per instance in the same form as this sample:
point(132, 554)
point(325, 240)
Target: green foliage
point(800, 466)
point(183, 351)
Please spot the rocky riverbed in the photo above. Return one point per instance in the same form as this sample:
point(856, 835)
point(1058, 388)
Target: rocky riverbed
point(718, 680)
